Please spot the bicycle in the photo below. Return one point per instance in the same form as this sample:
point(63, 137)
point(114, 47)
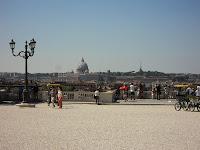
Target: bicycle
point(195, 103)
point(182, 102)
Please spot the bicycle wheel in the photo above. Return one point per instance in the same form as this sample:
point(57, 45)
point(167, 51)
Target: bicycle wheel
point(177, 106)
point(191, 106)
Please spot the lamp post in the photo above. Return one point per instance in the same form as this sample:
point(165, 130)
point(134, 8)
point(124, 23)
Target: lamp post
point(24, 54)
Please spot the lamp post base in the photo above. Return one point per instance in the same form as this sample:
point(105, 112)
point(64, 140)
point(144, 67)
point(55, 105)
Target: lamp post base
point(23, 104)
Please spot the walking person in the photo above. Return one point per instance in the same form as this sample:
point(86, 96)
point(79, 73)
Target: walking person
point(53, 96)
point(60, 97)
point(197, 92)
point(125, 92)
point(141, 90)
point(132, 91)
point(117, 94)
point(158, 91)
point(49, 97)
point(153, 92)
point(96, 96)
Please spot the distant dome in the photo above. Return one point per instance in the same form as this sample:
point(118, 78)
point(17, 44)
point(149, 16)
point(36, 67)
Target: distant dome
point(83, 67)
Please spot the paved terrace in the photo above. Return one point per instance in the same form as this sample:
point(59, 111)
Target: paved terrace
point(98, 127)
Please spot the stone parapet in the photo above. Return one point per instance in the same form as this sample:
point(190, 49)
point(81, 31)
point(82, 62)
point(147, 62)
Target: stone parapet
point(80, 96)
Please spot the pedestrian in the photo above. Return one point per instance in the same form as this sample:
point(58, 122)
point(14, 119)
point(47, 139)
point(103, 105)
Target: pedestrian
point(141, 90)
point(153, 91)
point(158, 91)
point(138, 93)
point(49, 96)
point(116, 95)
point(132, 91)
point(197, 92)
point(60, 97)
point(96, 96)
point(53, 96)
point(125, 92)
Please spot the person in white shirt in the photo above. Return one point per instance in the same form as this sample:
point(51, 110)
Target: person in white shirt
point(96, 96)
point(189, 90)
point(197, 92)
point(132, 91)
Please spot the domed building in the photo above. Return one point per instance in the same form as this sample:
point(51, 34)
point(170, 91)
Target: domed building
point(82, 68)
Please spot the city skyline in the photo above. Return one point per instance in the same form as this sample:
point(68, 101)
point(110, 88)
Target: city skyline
point(110, 35)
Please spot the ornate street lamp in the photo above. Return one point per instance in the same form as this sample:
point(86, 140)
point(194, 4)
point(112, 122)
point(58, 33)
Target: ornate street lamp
point(25, 54)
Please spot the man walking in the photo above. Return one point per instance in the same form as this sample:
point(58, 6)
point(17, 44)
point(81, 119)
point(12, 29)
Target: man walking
point(132, 91)
point(158, 91)
point(96, 96)
point(53, 96)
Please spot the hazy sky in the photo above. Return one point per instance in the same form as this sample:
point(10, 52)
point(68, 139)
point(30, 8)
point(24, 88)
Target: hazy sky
point(162, 35)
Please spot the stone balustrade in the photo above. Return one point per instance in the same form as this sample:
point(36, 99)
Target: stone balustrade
point(83, 96)
point(80, 96)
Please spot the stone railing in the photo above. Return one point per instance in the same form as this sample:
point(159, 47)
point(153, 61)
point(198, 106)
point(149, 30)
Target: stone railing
point(80, 96)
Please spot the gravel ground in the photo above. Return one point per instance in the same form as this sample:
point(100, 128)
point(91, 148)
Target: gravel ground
point(98, 127)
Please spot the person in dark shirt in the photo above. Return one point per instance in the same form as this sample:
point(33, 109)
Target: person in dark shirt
point(158, 91)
